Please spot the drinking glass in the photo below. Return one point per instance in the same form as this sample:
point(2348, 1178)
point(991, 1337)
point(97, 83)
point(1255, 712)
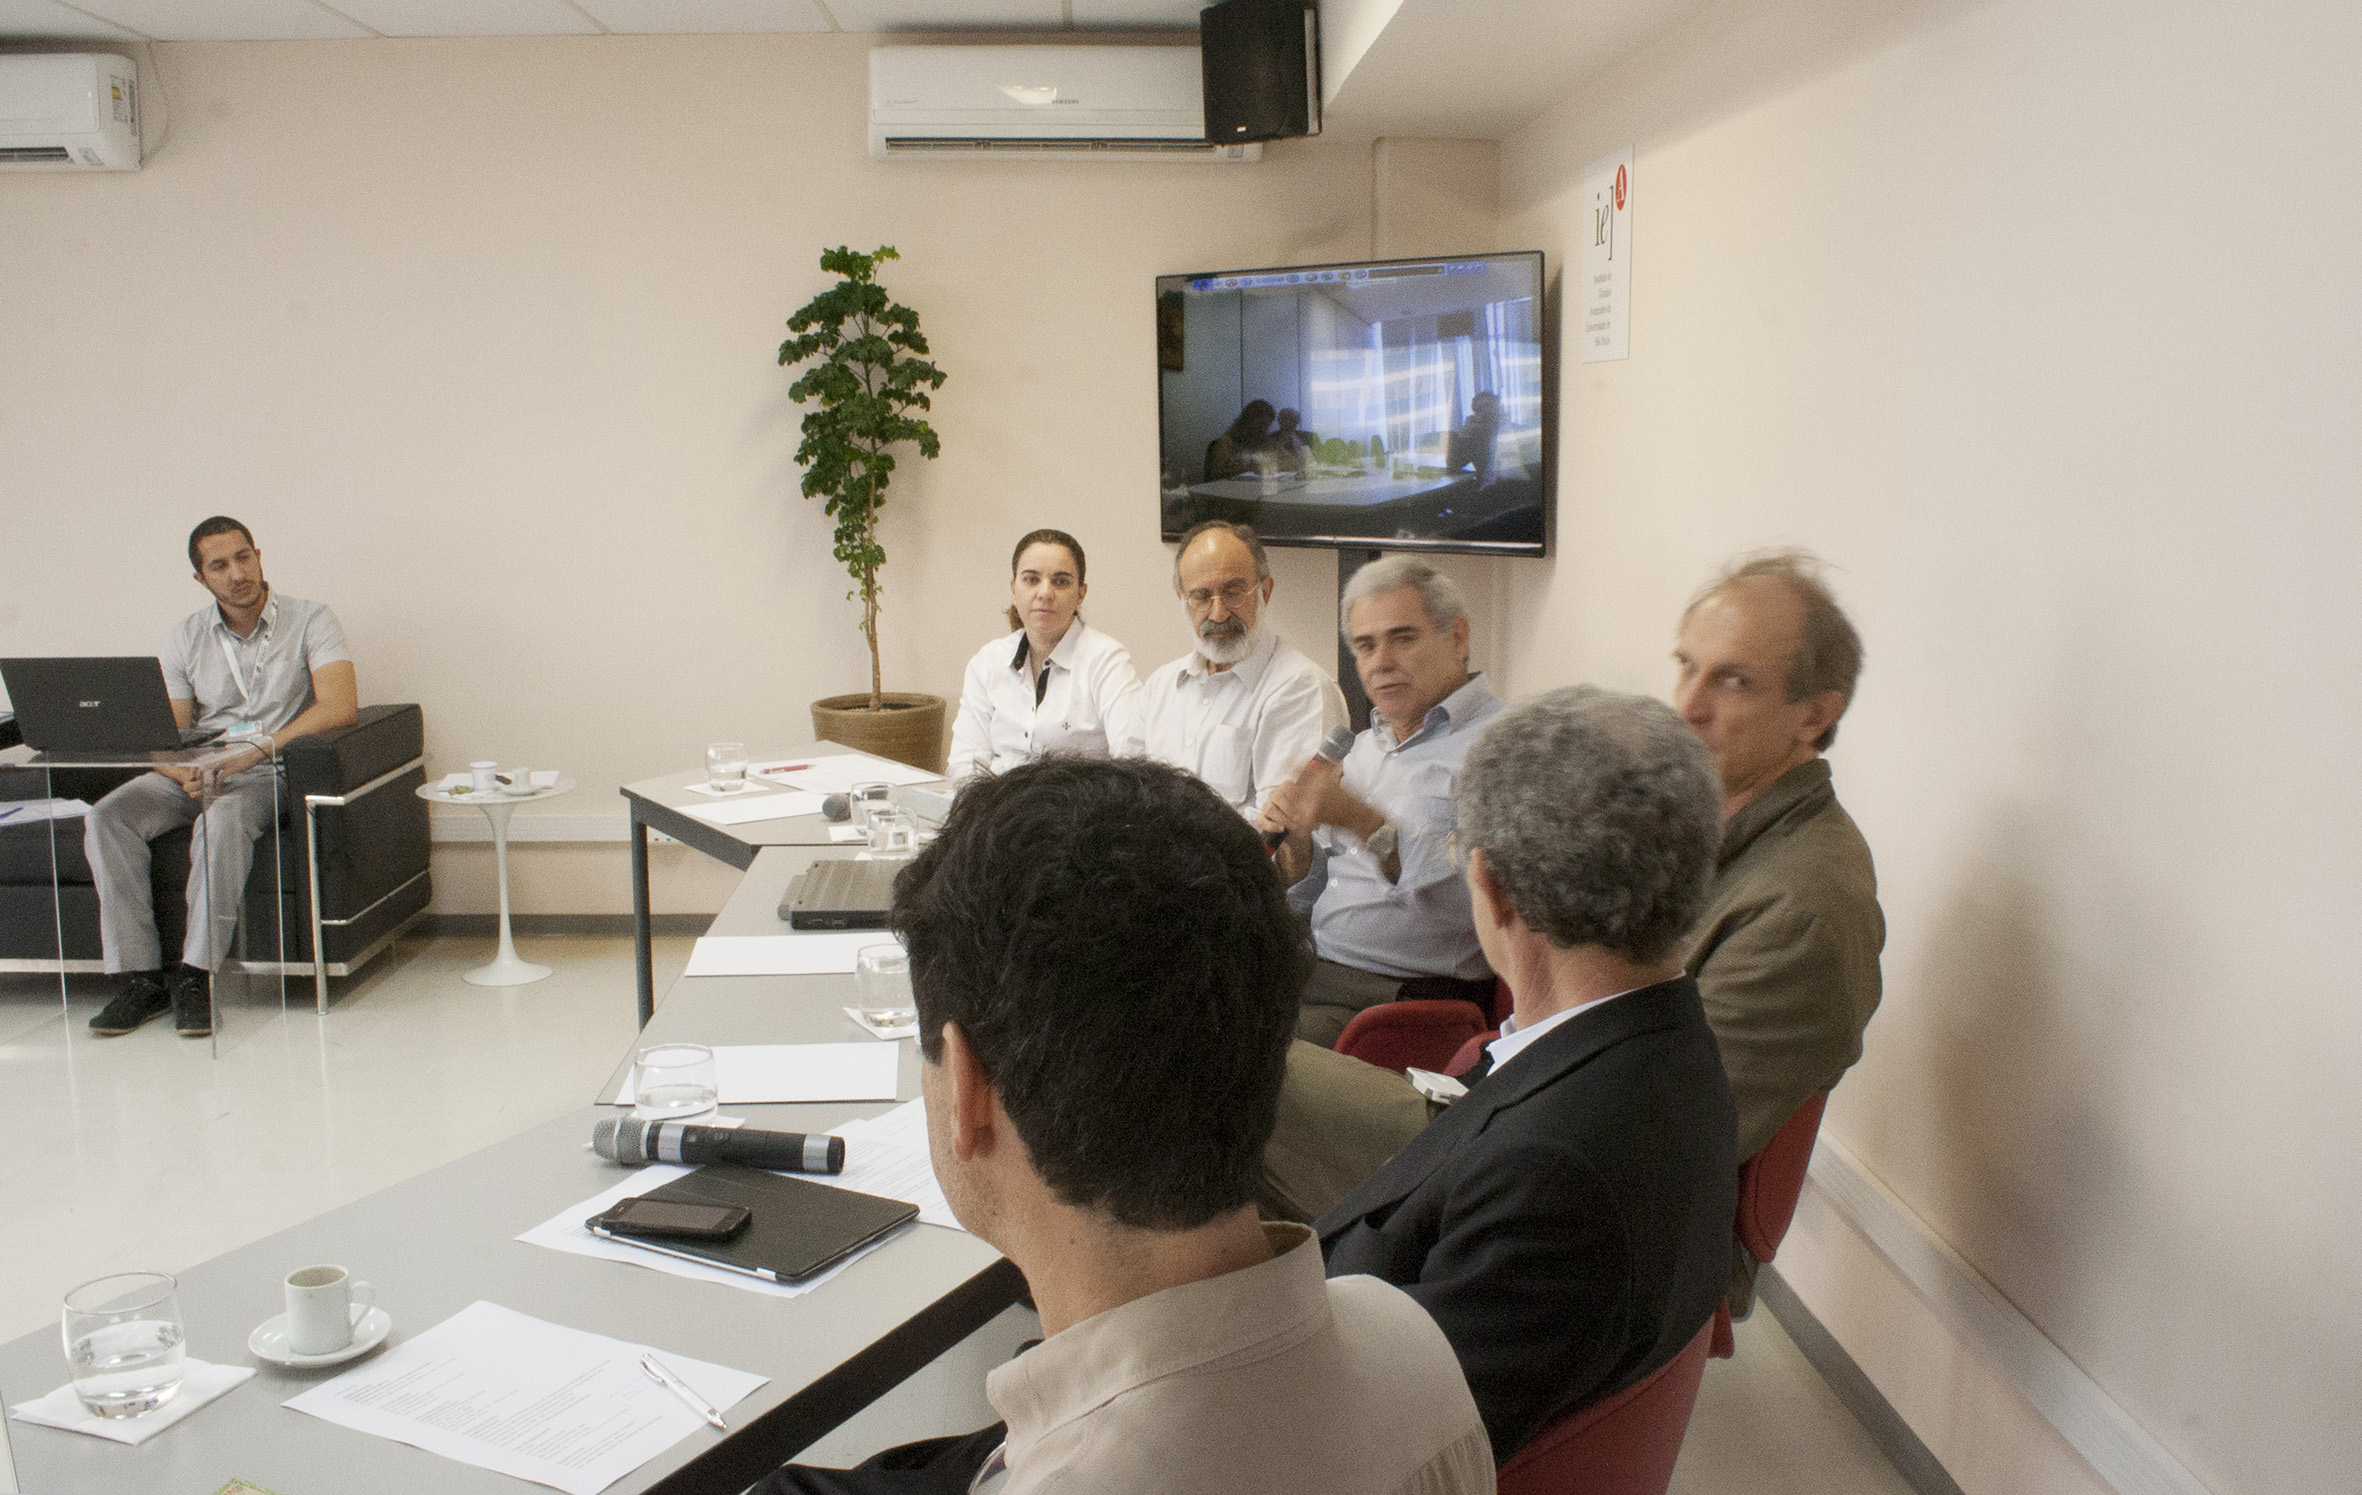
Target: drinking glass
point(123, 1342)
point(674, 1082)
point(725, 766)
point(892, 832)
point(882, 972)
point(867, 797)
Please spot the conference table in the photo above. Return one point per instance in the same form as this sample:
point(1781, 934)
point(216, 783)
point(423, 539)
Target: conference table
point(663, 804)
point(438, 1242)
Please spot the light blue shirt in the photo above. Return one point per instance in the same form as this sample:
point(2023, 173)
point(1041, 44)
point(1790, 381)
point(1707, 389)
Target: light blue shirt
point(1419, 924)
point(261, 682)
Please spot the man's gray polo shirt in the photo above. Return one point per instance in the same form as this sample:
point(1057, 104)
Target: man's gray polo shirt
point(261, 682)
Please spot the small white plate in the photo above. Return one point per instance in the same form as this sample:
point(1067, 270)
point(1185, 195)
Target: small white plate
point(269, 1341)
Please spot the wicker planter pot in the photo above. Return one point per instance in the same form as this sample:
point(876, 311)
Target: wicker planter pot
point(909, 730)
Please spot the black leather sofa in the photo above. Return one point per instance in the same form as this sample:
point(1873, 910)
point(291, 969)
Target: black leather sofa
point(372, 857)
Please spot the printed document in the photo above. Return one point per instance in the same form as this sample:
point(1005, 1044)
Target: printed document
point(504, 1391)
point(839, 772)
point(824, 954)
point(771, 1074)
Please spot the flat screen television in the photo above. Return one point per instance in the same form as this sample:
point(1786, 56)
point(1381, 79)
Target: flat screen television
point(1388, 404)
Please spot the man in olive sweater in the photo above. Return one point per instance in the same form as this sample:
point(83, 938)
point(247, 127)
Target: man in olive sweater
point(1786, 955)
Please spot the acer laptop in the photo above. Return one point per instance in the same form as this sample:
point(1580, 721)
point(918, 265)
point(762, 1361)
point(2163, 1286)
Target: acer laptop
point(96, 705)
point(843, 893)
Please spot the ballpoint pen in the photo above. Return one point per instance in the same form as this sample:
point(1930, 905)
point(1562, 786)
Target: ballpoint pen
point(658, 1372)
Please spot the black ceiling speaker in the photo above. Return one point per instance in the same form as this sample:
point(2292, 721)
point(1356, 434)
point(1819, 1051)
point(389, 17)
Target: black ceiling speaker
point(1262, 62)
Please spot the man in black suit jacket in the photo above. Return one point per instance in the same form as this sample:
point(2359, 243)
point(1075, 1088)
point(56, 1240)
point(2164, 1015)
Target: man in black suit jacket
point(1567, 1222)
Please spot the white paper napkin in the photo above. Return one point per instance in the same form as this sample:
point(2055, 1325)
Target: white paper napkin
point(200, 1382)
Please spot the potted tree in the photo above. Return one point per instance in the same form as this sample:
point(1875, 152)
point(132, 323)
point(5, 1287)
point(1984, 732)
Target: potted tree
point(870, 376)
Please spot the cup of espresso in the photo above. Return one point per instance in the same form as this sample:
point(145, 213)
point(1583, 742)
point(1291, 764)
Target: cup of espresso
point(324, 1304)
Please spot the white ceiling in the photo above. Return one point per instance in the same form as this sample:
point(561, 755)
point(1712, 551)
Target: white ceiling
point(309, 20)
point(1470, 68)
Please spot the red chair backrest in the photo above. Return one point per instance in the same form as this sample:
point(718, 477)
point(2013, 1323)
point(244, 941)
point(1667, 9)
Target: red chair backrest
point(1625, 1445)
point(1394, 1034)
point(1771, 1181)
point(1470, 1052)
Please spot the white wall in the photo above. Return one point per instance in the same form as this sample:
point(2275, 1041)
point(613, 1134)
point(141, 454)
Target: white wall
point(2041, 323)
point(480, 337)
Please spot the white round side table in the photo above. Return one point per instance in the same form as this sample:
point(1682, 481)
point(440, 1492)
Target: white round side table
point(505, 969)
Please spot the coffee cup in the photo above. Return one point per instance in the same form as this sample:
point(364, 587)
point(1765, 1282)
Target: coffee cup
point(520, 780)
point(484, 777)
point(324, 1305)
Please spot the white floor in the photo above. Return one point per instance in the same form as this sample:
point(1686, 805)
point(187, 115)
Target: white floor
point(148, 1151)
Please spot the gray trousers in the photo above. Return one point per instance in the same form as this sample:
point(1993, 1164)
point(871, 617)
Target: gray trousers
point(115, 838)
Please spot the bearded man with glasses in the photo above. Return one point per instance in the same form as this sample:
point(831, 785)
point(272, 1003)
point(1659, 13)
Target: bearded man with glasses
point(1244, 709)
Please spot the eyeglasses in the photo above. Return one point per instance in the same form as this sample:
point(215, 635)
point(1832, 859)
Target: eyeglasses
point(1233, 594)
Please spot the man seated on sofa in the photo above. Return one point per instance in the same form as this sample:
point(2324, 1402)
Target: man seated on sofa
point(1567, 1220)
point(1106, 977)
point(262, 669)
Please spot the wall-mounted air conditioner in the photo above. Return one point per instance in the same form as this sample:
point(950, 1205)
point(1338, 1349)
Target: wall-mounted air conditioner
point(1094, 103)
point(69, 111)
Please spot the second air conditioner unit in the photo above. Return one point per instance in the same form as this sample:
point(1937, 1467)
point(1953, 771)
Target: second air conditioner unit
point(1093, 103)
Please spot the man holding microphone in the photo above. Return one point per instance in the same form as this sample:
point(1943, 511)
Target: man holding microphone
point(1365, 850)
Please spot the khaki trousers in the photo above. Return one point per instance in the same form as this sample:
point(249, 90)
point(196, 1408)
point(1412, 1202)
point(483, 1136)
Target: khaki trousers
point(1338, 1120)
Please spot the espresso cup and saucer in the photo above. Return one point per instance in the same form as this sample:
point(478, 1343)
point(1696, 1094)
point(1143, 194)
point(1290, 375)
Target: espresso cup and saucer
point(330, 1319)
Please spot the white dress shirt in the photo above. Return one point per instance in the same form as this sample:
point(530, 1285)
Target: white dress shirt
point(1089, 705)
point(1244, 730)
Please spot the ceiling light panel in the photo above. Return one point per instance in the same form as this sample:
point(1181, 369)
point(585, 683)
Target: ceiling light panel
point(705, 17)
point(469, 17)
point(1111, 14)
point(226, 20)
point(50, 21)
point(949, 15)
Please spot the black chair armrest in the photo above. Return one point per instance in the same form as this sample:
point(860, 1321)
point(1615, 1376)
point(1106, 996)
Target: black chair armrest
point(380, 740)
point(10, 735)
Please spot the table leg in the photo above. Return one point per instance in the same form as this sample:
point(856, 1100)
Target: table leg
point(643, 957)
point(506, 969)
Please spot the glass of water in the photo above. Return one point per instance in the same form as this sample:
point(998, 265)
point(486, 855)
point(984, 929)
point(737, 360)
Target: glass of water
point(882, 972)
point(725, 767)
point(674, 1082)
point(892, 832)
point(868, 798)
point(123, 1342)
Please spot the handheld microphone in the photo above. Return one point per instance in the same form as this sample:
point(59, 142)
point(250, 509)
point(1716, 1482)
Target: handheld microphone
point(1333, 748)
point(836, 807)
point(635, 1143)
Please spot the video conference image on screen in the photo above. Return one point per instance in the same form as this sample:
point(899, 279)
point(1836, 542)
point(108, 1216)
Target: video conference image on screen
point(1398, 403)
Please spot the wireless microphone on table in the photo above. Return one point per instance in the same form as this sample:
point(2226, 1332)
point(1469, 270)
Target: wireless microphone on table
point(635, 1143)
point(1333, 748)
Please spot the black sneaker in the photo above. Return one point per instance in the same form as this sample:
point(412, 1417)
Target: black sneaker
point(143, 996)
point(192, 1002)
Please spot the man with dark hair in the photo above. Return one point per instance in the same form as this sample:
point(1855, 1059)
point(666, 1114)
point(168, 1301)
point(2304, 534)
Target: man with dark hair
point(1567, 1220)
point(262, 669)
point(1105, 972)
point(1245, 707)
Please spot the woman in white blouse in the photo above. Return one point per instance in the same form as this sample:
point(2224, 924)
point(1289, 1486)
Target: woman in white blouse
point(1056, 685)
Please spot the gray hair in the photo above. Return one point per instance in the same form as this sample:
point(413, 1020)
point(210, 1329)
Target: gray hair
point(1830, 657)
point(1598, 814)
point(1438, 593)
point(1243, 533)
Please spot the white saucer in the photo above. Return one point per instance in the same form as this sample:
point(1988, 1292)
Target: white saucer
point(269, 1341)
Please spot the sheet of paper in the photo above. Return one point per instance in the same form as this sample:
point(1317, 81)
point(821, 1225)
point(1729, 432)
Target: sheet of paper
point(839, 772)
point(770, 1074)
point(887, 1155)
point(781, 954)
point(735, 791)
point(564, 1231)
point(27, 811)
point(759, 807)
point(500, 1390)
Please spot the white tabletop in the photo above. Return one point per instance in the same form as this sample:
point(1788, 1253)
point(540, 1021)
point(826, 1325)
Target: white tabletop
point(463, 795)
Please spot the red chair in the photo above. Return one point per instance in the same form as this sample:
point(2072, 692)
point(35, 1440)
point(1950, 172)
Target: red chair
point(1769, 1185)
point(1625, 1445)
point(1428, 1034)
point(1394, 1034)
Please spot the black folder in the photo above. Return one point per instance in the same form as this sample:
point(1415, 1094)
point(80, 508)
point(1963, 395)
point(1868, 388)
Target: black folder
point(799, 1229)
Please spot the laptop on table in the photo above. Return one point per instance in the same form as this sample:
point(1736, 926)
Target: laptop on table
point(95, 705)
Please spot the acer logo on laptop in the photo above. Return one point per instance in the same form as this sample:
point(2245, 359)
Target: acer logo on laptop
point(86, 704)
